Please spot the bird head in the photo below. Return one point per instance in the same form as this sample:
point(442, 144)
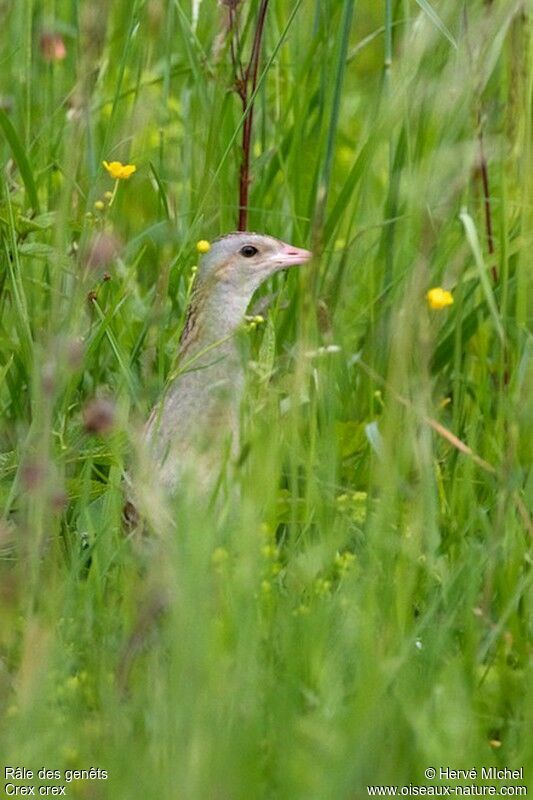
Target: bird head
point(244, 260)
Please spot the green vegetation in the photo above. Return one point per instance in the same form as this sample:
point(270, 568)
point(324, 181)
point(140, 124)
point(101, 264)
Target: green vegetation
point(363, 611)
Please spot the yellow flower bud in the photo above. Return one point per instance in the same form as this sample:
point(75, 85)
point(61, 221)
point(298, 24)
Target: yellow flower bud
point(203, 246)
point(439, 298)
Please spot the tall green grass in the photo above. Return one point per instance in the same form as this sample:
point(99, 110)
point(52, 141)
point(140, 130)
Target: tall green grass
point(362, 611)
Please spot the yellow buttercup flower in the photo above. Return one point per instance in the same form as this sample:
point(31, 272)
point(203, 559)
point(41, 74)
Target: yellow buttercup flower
point(439, 298)
point(203, 246)
point(118, 170)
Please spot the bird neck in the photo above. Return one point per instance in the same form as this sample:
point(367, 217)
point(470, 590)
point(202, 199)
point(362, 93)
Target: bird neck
point(216, 310)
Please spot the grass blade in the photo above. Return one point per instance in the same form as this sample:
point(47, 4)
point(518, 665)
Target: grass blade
point(436, 20)
point(473, 241)
point(19, 154)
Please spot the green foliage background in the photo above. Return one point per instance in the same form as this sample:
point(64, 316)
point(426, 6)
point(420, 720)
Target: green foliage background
point(364, 611)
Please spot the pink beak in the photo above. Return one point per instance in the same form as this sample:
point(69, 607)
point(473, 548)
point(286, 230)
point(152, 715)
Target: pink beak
point(290, 256)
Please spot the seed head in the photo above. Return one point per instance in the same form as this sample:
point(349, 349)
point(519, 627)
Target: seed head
point(99, 416)
point(32, 475)
point(52, 47)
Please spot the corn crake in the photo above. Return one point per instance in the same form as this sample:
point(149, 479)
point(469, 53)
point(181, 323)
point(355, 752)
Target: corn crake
point(196, 421)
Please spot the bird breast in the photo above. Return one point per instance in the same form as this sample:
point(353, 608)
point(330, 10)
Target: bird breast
point(196, 423)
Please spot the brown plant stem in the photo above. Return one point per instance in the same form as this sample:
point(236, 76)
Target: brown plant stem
point(245, 86)
point(484, 172)
point(483, 169)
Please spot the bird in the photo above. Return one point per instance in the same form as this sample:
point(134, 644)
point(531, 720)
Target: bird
point(195, 423)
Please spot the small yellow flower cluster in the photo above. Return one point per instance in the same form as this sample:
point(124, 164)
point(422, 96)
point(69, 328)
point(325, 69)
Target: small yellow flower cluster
point(355, 504)
point(270, 552)
point(344, 562)
point(119, 171)
point(251, 323)
point(78, 684)
point(322, 587)
point(438, 298)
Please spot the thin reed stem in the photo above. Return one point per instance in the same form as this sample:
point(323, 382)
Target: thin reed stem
point(246, 88)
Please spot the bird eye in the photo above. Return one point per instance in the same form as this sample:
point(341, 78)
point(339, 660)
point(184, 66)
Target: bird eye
point(248, 251)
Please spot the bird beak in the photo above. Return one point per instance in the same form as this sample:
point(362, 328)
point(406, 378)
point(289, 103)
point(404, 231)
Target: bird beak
point(289, 256)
